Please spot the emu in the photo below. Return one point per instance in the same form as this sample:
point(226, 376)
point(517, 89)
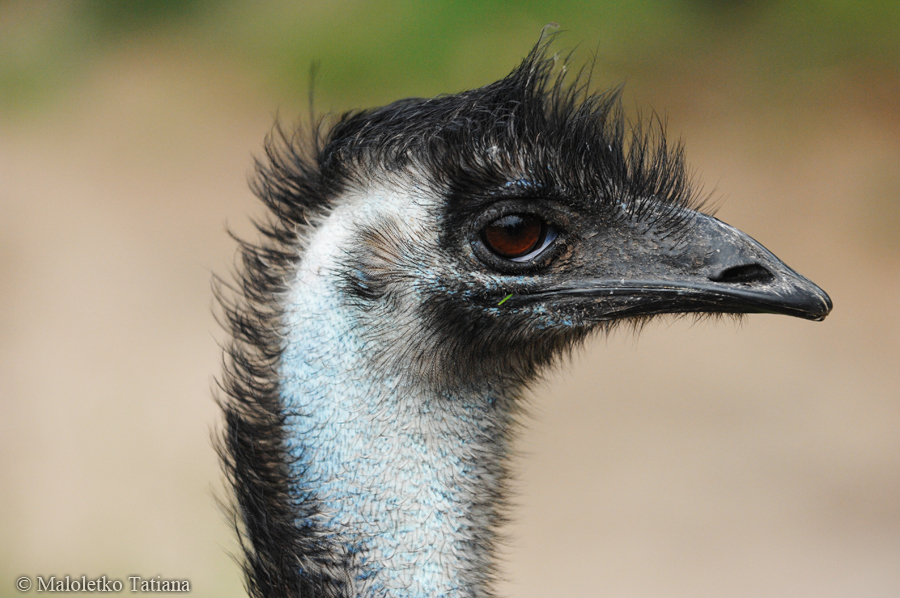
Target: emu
point(421, 265)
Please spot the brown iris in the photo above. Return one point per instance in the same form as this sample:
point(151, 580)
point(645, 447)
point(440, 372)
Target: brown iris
point(514, 235)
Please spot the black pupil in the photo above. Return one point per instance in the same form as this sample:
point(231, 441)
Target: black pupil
point(514, 235)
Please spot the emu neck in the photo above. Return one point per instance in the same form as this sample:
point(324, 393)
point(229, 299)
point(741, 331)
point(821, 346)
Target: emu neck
point(403, 477)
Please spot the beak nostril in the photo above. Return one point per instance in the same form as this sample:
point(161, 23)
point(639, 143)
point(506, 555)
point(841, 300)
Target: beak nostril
point(743, 273)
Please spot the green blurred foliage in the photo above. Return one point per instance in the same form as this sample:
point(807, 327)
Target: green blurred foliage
point(375, 50)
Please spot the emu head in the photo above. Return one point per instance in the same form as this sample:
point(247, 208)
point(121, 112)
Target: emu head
point(422, 263)
point(481, 234)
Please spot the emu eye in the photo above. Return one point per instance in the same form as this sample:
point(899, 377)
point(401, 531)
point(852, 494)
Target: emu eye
point(518, 237)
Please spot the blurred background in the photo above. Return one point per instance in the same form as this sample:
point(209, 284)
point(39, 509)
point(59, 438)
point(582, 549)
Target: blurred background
point(702, 460)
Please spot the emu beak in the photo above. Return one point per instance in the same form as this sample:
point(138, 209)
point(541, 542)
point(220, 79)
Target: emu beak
point(711, 267)
point(745, 274)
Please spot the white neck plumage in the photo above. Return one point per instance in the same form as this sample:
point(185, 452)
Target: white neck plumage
point(405, 477)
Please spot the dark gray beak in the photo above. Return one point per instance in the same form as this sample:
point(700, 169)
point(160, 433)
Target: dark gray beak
point(751, 277)
point(711, 267)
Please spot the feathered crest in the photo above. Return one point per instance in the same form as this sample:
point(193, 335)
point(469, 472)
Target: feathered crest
point(541, 123)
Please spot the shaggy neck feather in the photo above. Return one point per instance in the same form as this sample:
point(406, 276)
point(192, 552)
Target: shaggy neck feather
point(399, 472)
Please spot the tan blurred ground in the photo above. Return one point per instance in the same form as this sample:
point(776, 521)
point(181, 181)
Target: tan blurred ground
point(760, 460)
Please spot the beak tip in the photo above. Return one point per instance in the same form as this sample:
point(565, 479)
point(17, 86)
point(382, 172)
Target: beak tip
point(814, 303)
point(826, 307)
